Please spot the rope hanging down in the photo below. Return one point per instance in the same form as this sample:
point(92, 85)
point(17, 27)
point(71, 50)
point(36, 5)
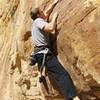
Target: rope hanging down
point(42, 66)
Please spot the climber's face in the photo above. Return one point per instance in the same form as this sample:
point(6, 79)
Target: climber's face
point(41, 14)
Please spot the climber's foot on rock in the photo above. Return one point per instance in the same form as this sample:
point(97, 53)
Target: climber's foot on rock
point(76, 98)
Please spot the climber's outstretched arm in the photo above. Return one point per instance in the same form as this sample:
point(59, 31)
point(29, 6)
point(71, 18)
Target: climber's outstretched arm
point(50, 8)
point(50, 27)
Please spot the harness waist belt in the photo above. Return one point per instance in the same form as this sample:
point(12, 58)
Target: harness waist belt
point(39, 48)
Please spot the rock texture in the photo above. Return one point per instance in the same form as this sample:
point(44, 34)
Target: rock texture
point(77, 42)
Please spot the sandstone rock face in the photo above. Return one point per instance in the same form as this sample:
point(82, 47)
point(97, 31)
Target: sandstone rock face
point(77, 42)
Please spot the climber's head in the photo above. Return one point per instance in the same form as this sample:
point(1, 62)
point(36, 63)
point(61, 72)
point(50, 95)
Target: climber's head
point(37, 13)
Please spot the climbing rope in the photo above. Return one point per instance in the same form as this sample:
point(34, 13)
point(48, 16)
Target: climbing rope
point(42, 69)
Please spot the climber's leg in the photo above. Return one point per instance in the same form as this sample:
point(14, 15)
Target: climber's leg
point(61, 77)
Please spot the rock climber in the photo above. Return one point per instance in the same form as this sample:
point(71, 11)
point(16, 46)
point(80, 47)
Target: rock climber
point(40, 37)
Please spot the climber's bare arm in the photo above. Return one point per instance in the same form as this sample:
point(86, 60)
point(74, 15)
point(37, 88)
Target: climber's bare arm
point(50, 27)
point(50, 8)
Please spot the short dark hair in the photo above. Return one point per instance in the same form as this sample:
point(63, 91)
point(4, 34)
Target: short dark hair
point(34, 13)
